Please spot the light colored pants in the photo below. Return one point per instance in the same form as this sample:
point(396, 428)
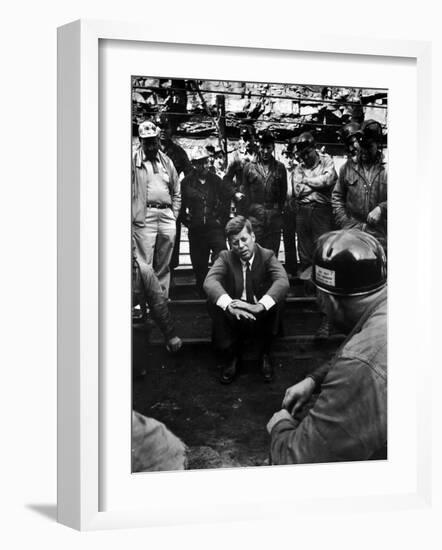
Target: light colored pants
point(154, 243)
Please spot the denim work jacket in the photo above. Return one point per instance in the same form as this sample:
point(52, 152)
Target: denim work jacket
point(265, 188)
point(206, 203)
point(349, 418)
point(357, 193)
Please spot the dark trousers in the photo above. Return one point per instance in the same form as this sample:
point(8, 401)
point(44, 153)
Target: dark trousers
point(230, 337)
point(175, 260)
point(269, 235)
point(312, 221)
point(203, 240)
point(289, 237)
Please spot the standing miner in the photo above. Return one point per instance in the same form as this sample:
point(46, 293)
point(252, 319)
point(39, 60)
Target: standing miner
point(205, 212)
point(314, 178)
point(183, 167)
point(265, 189)
point(156, 202)
point(360, 195)
point(244, 153)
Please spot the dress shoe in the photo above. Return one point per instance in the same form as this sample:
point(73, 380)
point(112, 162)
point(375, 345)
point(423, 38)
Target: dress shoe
point(228, 371)
point(267, 369)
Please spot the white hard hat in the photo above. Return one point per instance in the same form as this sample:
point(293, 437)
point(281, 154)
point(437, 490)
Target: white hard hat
point(198, 153)
point(147, 129)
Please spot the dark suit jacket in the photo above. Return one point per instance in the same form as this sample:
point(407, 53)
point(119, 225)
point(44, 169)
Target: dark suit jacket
point(226, 276)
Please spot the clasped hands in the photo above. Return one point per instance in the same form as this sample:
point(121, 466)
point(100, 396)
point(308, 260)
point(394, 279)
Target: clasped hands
point(243, 310)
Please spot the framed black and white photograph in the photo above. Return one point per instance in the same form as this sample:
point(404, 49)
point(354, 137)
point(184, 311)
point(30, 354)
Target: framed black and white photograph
point(224, 328)
point(233, 185)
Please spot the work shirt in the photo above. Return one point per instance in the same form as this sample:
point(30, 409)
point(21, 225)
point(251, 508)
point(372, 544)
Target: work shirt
point(357, 192)
point(314, 185)
point(207, 202)
point(157, 184)
point(153, 182)
point(349, 419)
point(265, 186)
point(237, 161)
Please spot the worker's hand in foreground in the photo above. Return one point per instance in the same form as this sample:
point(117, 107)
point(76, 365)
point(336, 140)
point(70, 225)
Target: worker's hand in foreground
point(174, 344)
point(374, 216)
point(238, 196)
point(280, 415)
point(240, 313)
point(296, 396)
point(251, 308)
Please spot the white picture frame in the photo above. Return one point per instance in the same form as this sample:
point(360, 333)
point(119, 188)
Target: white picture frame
point(81, 293)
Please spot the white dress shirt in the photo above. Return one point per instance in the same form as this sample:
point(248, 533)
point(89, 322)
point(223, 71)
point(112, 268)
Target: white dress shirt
point(225, 300)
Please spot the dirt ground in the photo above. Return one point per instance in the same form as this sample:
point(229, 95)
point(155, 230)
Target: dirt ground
point(223, 426)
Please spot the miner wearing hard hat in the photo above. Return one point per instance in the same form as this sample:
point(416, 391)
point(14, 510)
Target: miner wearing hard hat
point(156, 202)
point(265, 188)
point(182, 165)
point(359, 198)
point(244, 152)
point(205, 210)
point(314, 178)
point(348, 419)
point(351, 136)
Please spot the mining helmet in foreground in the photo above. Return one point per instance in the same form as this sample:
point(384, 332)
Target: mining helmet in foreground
point(349, 263)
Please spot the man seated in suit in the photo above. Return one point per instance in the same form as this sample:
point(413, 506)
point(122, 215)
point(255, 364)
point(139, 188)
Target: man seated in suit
point(246, 287)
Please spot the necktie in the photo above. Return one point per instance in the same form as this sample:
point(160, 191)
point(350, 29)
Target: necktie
point(249, 287)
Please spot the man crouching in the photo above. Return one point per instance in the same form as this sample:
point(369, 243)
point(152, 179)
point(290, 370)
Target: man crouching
point(246, 288)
